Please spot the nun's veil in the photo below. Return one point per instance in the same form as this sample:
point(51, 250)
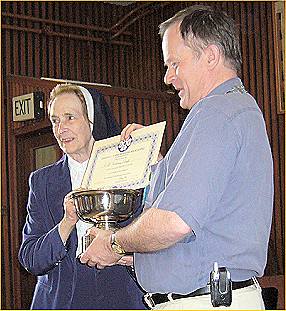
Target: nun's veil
point(104, 124)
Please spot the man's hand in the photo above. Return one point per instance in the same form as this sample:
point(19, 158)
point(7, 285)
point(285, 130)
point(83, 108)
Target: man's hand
point(99, 253)
point(129, 128)
point(126, 260)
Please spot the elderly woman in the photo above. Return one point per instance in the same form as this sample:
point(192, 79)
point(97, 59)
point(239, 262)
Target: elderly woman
point(52, 232)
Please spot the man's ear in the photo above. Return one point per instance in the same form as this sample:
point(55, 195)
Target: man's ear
point(213, 55)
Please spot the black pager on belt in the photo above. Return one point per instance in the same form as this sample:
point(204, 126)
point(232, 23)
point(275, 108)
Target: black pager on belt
point(221, 289)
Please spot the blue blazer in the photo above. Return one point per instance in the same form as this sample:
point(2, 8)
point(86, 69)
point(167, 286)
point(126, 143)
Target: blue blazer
point(43, 254)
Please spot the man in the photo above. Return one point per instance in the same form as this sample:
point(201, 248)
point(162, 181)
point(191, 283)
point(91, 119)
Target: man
point(210, 198)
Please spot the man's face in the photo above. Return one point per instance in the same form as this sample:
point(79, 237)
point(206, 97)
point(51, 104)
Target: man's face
point(70, 126)
point(185, 70)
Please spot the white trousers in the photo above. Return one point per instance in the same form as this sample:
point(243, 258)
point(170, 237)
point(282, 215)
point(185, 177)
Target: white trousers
point(247, 298)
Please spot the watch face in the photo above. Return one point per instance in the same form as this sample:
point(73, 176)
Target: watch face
point(118, 249)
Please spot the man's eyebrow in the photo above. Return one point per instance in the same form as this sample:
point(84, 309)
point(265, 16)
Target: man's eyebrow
point(168, 61)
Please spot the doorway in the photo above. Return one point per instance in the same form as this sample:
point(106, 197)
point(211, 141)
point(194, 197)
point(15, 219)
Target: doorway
point(34, 150)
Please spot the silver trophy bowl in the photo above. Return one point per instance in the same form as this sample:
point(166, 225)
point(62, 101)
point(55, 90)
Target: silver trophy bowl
point(105, 208)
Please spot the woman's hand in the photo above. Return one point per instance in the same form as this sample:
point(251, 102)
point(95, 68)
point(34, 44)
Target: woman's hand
point(70, 218)
point(70, 211)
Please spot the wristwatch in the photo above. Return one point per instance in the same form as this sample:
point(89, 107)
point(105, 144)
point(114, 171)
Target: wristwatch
point(116, 247)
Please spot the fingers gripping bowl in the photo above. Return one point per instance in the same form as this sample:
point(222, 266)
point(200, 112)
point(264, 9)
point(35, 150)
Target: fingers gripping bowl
point(105, 208)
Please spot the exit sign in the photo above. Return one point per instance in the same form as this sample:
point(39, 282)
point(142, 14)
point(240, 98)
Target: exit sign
point(28, 106)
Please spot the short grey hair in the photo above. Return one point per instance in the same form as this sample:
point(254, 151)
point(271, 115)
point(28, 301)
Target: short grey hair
point(201, 26)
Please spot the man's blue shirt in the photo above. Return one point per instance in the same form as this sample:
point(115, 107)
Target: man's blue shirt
point(218, 177)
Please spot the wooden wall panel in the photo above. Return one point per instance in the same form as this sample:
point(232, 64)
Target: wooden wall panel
point(6, 268)
point(277, 239)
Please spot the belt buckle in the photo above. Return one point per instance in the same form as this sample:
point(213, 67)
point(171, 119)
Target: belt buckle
point(149, 301)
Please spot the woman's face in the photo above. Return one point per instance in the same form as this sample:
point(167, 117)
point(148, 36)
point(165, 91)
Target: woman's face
point(71, 127)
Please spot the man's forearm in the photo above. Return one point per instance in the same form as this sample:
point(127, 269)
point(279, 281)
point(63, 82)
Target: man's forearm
point(154, 230)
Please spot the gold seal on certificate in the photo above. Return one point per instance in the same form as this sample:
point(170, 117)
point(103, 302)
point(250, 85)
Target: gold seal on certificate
point(116, 164)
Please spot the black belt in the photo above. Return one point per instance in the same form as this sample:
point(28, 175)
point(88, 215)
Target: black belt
point(154, 299)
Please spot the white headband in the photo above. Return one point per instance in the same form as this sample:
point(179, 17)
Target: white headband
point(89, 105)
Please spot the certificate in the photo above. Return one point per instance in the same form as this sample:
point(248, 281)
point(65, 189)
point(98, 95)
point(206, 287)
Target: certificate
point(115, 164)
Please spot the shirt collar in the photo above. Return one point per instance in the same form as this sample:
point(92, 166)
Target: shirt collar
point(225, 86)
point(75, 165)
